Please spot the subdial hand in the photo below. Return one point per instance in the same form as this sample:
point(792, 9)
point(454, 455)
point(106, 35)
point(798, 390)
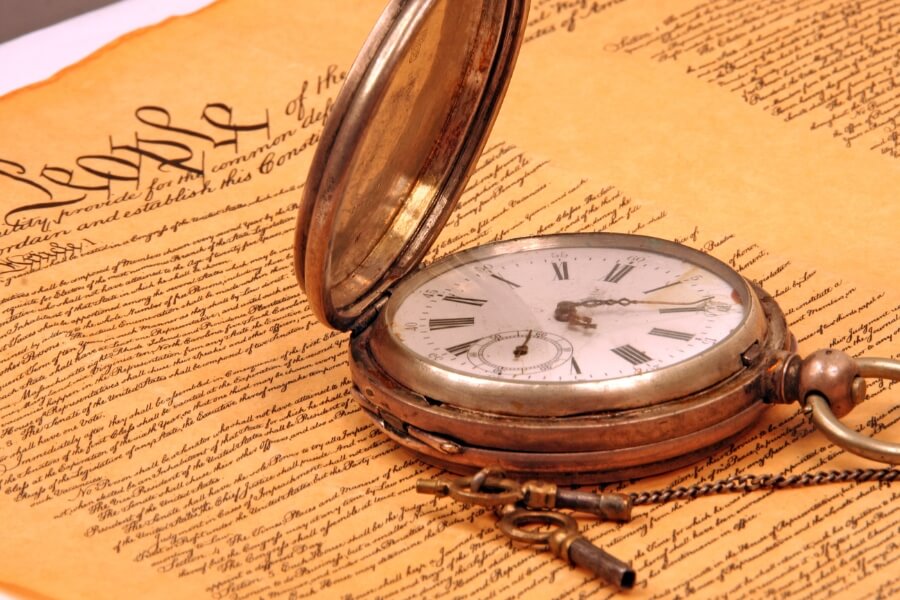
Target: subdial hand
point(522, 349)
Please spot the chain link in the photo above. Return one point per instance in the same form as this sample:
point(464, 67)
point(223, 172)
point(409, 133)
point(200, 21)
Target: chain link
point(752, 483)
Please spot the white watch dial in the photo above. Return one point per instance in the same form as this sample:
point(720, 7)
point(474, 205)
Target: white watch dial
point(580, 313)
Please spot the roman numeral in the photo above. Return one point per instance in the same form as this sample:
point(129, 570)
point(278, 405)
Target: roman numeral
point(435, 324)
point(561, 270)
point(662, 287)
point(573, 367)
point(460, 349)
point(506, 281)
point(618, 272)
point(675, 335)
point(469, 301)
point(631, 354)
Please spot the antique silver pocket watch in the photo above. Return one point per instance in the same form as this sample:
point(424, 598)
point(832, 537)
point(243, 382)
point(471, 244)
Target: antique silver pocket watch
point(574, 357)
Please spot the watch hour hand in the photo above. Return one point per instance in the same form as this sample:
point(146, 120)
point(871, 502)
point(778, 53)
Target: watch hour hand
point(567, 312)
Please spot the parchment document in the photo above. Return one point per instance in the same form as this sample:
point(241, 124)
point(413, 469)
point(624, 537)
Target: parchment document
point(174, 423)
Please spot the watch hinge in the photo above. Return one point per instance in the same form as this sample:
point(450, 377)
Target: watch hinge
point(437, 442)
point(392, 423)
point(369, 315)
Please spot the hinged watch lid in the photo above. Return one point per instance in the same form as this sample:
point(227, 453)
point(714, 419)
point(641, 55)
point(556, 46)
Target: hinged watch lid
point(398, 146)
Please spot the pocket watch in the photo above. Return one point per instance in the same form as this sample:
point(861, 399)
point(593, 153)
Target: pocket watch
point(575, 357)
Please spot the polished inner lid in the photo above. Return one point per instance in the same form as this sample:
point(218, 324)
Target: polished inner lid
point(398, 146)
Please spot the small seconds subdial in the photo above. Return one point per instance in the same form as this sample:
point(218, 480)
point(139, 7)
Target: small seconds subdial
point(521, 352)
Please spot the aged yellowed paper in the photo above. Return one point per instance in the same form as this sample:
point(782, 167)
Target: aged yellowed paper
point(174, 423)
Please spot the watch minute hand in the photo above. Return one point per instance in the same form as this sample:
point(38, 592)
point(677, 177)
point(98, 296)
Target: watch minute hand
point(629, 301)
point(567, 311)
